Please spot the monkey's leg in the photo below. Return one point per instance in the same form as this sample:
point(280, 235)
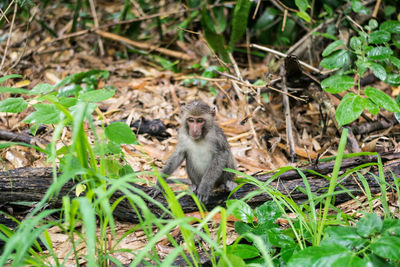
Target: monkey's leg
point(211, 176)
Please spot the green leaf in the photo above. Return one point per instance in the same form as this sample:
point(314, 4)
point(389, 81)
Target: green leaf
point(395, 61)
point(397, 114)
point(371, 107)
point(240, 227)
point(267, 212)
point(318, 256)
point(373, 24)
point(216, 41)
point(356, 43)
point(13, 105)
point(336, 60)
point(391, 26)
point(358, 7)
point(5, 78)
point(239, 22)
point(349, 109)
point(233, 259)
point(242, 211)
point(12, 90)
point(387, 247)
point(278, 239)
point(304, 16)
point(81, 76)
point(97, 95)
point(41, 88)
point(120, 133)
point(393, 79)
point(243, 251)
point(343, 236)
point(380, 53)
point(337, 83)
point(369, 225)
point(332, 47)
point(378, 69)
point(379, 37)
point(302, 4)
point(382, 99)
point(45, 114)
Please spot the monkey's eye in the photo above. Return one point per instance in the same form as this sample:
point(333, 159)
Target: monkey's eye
point(200, 120)
point(191, 120)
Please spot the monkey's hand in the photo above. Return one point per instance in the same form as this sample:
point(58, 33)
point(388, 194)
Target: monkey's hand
point(155, 191)
point(203, 192)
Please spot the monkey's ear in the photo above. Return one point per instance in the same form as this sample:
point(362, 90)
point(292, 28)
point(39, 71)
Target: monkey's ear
point(212, 111)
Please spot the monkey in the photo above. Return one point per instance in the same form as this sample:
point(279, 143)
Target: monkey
point(206, 150)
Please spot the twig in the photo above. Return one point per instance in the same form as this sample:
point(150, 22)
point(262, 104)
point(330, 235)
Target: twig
point(9, 37)
point(275, 52)
point(96, 24)
point(286, 106)
point(376, 9)
point(146, 46)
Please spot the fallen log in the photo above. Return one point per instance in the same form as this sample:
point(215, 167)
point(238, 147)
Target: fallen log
point(30, 185)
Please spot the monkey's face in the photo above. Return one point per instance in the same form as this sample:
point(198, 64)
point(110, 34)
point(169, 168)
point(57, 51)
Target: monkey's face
point(196, 125)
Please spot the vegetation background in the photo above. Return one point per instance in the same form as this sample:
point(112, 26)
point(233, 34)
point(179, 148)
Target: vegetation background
point(91, 93)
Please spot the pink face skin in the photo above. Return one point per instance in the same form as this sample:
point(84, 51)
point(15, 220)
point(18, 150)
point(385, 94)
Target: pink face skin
point(195, 124)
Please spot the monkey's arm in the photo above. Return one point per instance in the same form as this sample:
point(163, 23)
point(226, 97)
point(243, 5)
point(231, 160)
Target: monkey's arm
point(174, 162)
point(212, 174)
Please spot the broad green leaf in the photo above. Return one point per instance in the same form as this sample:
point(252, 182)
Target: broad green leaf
point(393, 79)
point(242, 211)
point(69, 90)
point(216, 41)
point(241, 228)
point(336, 60)
point(13, 105)
point(382, 99)
point(243, 251)
point(395, 61)
point(97, 95)
point(233, 259)
point(267, 212)
point(239, 22)
point(378, 69)
point(79, 77)
point(344, 236)
point(356, 43)
point(371, 107)
point(5, 78)
point(302, 4)
point(45, 114)
point(349, 109)
point(332, 47)
point(379, 37)
point(337, 83)
point(349, 261)
point(12, 90)
point(220, 24)
point(380, 53)
point(318, 256)
point(358, 7)
point(120, 133)
point(304, 16)
point(391, 26)
point(265, 21)
point(387, 247)
point(41, 88)
point(278, 239)
point(369, 225)
point(373, 24)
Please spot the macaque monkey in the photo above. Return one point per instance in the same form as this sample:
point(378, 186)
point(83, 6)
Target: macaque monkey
point(204, 147)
